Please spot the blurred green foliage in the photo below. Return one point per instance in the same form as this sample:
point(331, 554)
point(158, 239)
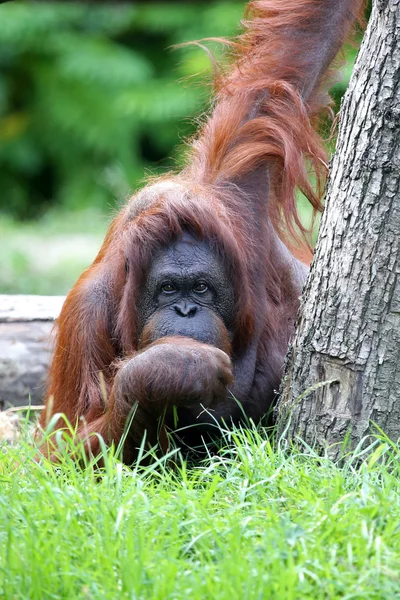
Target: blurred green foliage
point(92, 97)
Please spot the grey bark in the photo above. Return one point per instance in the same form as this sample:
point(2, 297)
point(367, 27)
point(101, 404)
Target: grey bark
point(348, 330)
point(25, 347)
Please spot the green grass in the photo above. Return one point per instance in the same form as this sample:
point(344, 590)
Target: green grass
point(253, 522)
point(47, 256)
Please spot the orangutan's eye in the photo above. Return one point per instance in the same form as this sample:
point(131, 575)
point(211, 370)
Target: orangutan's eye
point(200, 287)
point(168, 288)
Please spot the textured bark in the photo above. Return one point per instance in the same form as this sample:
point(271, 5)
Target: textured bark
point(25, 347)
point(348, 330)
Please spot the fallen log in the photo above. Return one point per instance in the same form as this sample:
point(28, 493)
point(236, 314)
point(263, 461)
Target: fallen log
point(25, 347)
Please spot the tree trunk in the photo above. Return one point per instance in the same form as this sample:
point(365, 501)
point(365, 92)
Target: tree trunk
point(25, 347)
point(348, 329)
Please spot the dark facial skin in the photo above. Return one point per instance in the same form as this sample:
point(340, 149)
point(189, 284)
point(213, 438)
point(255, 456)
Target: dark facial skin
point(187, 293)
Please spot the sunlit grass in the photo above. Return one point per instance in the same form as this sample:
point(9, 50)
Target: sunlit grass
point(255, 521)
point(48, 255)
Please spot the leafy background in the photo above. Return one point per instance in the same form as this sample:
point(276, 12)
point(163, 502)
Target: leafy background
point(92, 99)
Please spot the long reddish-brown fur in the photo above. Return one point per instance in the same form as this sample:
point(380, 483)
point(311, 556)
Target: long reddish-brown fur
point(238, 188)
point(267, 106)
